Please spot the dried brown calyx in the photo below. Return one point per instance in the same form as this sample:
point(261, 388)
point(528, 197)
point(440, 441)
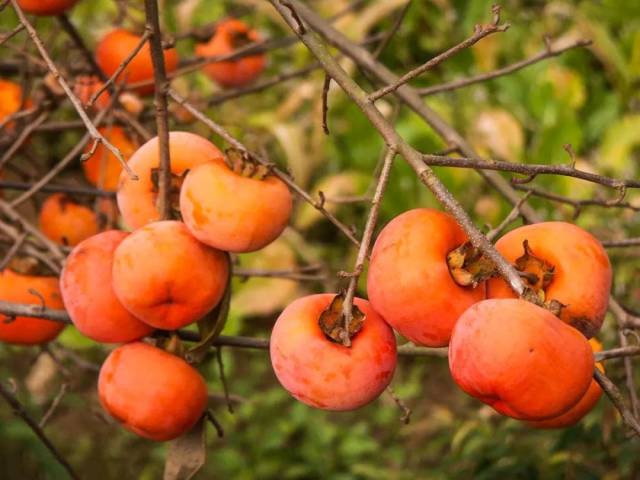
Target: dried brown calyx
point(243, 164)
point(174, 189)
point(29, 266)
point(240, 39)
point(469, 267)
point(332, 321)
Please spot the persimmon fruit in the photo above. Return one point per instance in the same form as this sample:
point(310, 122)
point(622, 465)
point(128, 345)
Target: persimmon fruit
point(584, 406)
point(102, 168)
point(166, 278)
point(323, 373)
point(227, 209)
point(86, 86)
point(88, 296)
point(409, 282)
point(520, 359)
point(10, 99)
point(30, 289)
point(66, 221)
point(568, 268)
point(152, 393)
point(137, 198)
point(113, 49)
point(230, 35)
point(46, 7)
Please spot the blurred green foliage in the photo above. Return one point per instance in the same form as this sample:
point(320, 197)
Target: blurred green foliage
point(588, 98)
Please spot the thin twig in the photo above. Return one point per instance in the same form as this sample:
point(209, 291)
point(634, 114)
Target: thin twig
point(54, 405)
point(223, 379)
point(513, 215)
point(71, 30)
point(17, 244)
point(616, 398)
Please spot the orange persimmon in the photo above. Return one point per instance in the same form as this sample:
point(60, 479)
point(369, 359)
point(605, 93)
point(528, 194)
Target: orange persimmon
point(65, 221)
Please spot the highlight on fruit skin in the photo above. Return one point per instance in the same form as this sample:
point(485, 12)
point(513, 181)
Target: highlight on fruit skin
point(30, 289)
point(66, 221)
point(587, 403)
point(102, 168)
point(323, 373)
point(520, 359)
point(87, 292)
point(230, 35)
point(166, 278)
point(409, 282)
point(46, 7)
point(152, 393)
point(113, 49)
point(571, 271)
point(232, 210)
point(137, 198)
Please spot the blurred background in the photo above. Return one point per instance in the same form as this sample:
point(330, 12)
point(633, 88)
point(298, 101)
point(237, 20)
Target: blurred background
point(586, 97)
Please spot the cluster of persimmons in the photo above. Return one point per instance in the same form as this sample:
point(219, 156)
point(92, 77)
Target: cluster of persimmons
point(529, 358)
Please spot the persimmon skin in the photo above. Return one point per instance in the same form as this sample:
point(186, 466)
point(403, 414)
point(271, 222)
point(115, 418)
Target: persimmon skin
point(231, 73)
point(46, 7)
point(582, 275)
point(14, 288)
point(117, 45)
point(166, 278)
point(103, 168)
point(409, 283)
point(137, 199)
point(152, 393)
point(86, 86)
point(579, 410)
point(322, 373)
point(234, 213)
point(10, 100)
point(66, 222)
point(88, 296)
point(520, 359)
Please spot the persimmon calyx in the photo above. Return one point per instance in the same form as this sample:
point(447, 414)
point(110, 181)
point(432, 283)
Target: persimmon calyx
point(537, 272)
point(28, 266)
point(244, 165)
point(469, 267)
point(175, 184)
point(332, 321)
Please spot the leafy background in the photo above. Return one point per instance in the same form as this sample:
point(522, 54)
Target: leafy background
point(588, 97)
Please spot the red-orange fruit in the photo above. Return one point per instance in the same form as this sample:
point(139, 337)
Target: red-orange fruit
point(324, 374)
point(114, 48)
point(520, 359)
point(584, 406)
point(152, 393)
point(66, 222)
point(230, 35)
point(103, 169)
point(86, 86)
point(137, 198)
point(409, 283)
point(46, 7)
point(580, 277)
point(166, 278)
point(10, 99)
point(88, 296)
point(229, 211)
point(31, 289)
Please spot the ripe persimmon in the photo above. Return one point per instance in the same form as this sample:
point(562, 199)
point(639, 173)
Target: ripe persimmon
point(167, 278)
point(409, 282)
point(46, 7)
point(86, 86)
point(113, 49)
point(137, 198)
point(568, 267)
point(152, 393)
point(323, 373)
point(65, 221)
point(520, 359)
point(32, 289)
point(102, 169)
point(230, 210)
point(10, 99)
point(584, 406)
point(88, 295)
point(230, 35)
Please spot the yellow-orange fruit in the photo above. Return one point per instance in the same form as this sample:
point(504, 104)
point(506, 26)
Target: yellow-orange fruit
point(230, 35)
point(520, 359)
point(137, 198)
point(88, 296)
point(150, 392)
point(66, 222)
point(103, 168)
point(409, 283)
point(37, 290)
point(325, 374)
point(581, 272)
point(231, 212)
point(46, 7)
point(166, 278)
point(10, 100)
